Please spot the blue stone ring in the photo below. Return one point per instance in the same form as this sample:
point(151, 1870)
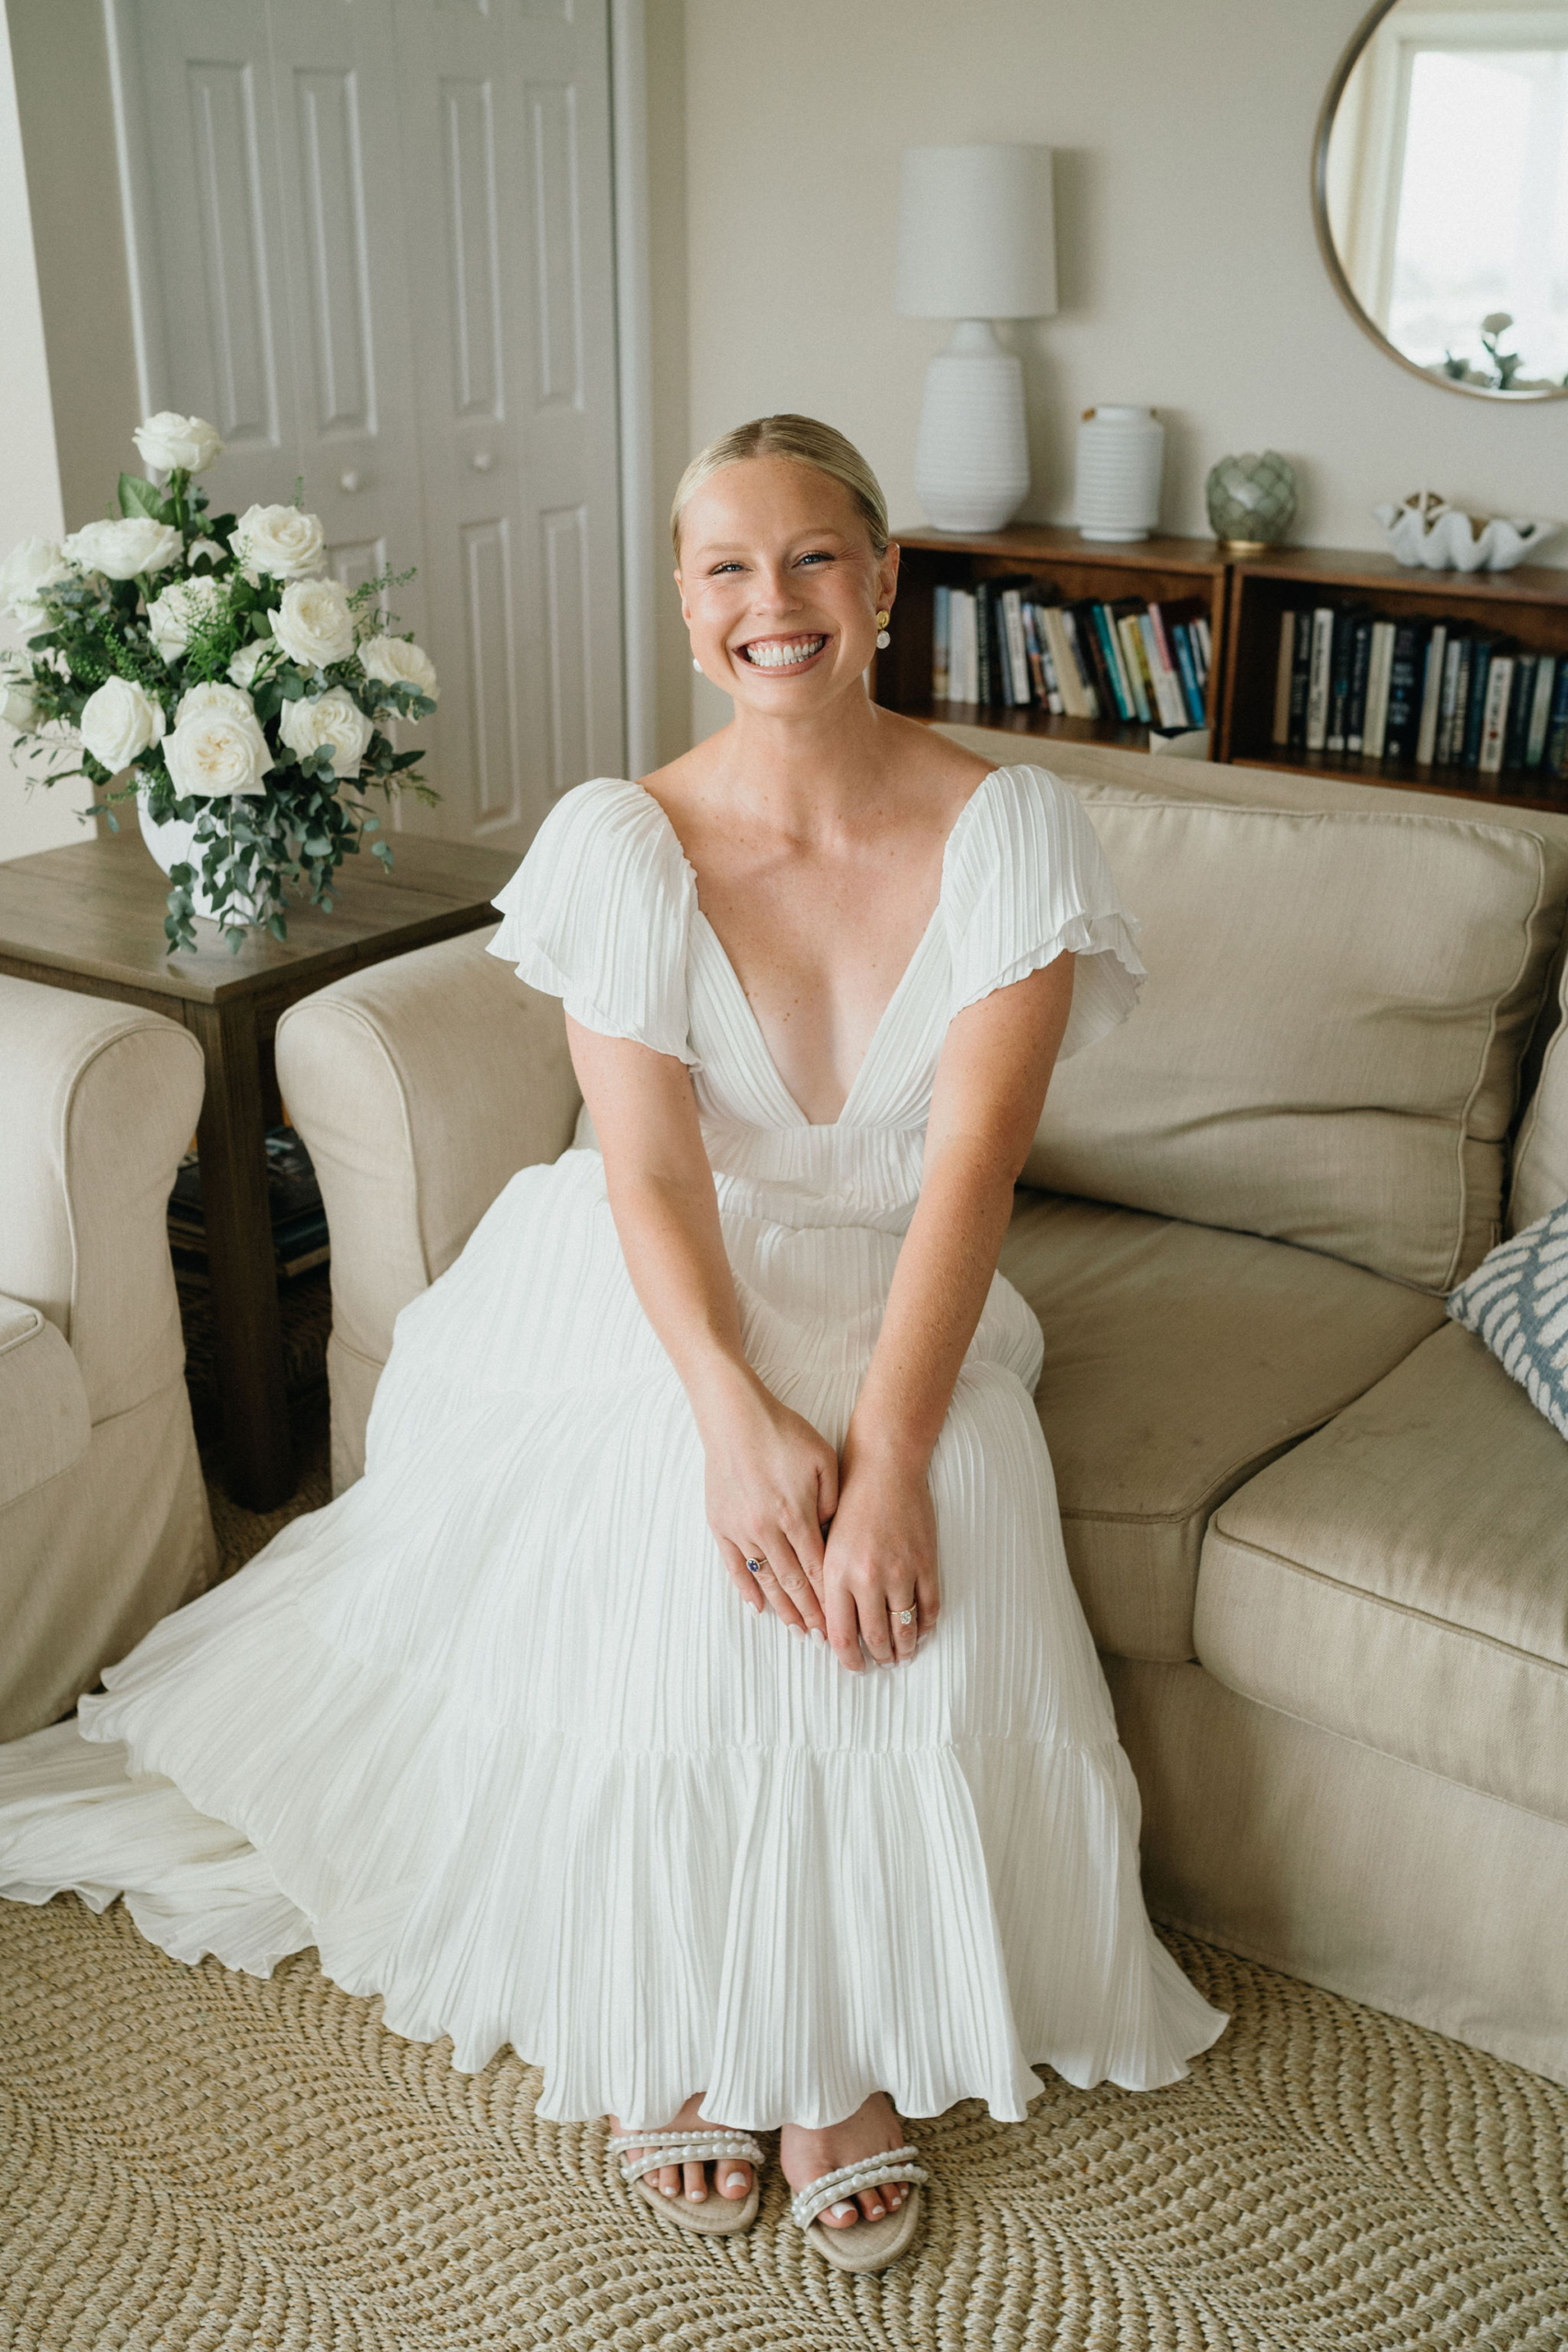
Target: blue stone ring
point(756, 1566)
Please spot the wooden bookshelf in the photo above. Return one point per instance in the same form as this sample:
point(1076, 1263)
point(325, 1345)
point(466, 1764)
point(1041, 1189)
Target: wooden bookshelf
point(1160, 570)
point(1529, 604)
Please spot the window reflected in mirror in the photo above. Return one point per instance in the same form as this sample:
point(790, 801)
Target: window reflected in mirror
point(1443, 191)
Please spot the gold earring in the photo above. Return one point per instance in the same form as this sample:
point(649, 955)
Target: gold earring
point(883, 640)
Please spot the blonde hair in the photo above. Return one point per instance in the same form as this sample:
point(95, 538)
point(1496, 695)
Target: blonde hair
point(809, 443)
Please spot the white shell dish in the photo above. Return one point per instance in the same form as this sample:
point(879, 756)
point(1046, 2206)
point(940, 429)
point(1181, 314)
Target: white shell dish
point(1424, 531)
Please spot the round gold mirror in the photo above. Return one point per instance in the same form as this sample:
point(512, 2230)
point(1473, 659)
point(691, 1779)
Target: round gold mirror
point(1440, 189)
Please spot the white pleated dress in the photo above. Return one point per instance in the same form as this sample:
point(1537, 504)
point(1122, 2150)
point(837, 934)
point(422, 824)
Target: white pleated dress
point(494, 1731)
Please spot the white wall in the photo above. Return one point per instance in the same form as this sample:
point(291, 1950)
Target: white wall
point(30, 474)
point(1189, 276)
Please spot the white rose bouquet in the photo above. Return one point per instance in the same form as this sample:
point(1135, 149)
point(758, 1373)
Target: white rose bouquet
point(207, 665)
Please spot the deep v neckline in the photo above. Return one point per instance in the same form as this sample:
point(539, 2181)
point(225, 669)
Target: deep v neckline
point(900, 985)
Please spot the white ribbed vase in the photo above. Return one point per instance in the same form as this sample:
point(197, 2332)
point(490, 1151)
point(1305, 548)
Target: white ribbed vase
point(1121, 454)
point(972, 453)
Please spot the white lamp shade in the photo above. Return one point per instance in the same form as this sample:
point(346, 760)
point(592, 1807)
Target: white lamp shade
point(977, 235)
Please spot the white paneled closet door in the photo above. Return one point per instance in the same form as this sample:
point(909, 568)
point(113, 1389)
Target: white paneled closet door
point(372, 241)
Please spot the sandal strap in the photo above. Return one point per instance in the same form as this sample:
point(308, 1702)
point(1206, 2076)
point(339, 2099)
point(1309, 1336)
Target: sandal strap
point(834, 2187)
point(657, 2149)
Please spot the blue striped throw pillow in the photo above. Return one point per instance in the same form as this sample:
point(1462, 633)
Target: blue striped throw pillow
point(1516, 1301)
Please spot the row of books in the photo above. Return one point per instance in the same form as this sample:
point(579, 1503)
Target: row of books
point(1428, 693)
point(294, 1202)
point(1013, 640)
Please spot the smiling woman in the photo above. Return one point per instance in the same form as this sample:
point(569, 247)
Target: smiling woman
point(693, 1692)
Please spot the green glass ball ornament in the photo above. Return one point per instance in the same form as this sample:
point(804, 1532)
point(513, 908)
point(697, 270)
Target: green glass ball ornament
point(1251, 500)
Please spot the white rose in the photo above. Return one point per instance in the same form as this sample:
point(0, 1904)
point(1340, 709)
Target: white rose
point(120, 721)
point(19, 708)
point(393, 661)
point(313, 623)
point(249, 658)
point(168, 440)
point(216, 748)
point(281, 541)
point(334, 718)
point(210, 548)
point(31, 566)
point(172, 616)
point(120, 551)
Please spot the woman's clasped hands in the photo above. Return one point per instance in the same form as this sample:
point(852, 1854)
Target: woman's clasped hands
point(844, 1550)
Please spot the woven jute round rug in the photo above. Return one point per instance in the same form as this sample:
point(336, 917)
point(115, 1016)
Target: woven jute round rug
point(194, 2159)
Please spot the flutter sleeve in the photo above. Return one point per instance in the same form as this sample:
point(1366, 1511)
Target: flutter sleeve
point(600, 913)
point(1024, 881)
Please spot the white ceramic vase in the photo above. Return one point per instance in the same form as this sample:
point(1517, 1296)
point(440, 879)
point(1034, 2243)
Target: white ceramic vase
point(170, 843)
point(1121, 456)
point(972, 451)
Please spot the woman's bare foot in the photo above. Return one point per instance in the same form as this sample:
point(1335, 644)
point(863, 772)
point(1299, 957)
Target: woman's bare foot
point(732, 2174)
point(871, 2130)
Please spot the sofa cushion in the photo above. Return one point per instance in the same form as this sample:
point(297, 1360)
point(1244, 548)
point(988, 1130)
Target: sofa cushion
point(1178, 1359)
point(1328, 1046)
point(45, 1425)
point(1541, 1150)
point(1402, 1577)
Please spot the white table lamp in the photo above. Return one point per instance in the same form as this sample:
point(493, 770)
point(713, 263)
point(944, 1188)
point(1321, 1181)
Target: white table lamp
point(976, 241)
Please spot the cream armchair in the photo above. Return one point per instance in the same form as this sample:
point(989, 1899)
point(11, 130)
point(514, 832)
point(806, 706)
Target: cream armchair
point(420, 1086)
point(104, 1523)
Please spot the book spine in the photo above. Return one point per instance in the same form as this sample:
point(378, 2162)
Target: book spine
point(1403, 691)
point(1443, 749)
point(1360, 668)
point(1088, 676)
point(1375, 733)
point(1521, 696)
point(1317, 683)
point(1042, 669)
point(1284, 664)
point(1163, 682)
point(1069, 680)
point(1017, 657)
point(1131, 652)
point(1555, 757)
point(1172, 700)
point(1340, 648)
point(1192, 691)
point(940, 624)
point(1202, 639)
point(1541, 710)
point(1494, 720)
point(985, 652)
point(1475, 712)
point(1105, 631)
point(1301, 678)
point(1431, 696)
point(1464, 684)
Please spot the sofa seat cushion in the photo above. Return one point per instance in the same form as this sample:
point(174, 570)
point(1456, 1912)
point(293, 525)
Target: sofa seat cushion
point(1401, 1578)
point(1178, 1360)
point(45, 1424)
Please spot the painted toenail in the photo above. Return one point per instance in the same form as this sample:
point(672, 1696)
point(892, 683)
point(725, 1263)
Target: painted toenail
point(842, 2213)
point(735, 2180)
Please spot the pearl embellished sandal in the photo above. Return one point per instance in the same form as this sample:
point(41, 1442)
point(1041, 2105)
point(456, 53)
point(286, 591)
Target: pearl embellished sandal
point(717, 2216)
point(863, 2246)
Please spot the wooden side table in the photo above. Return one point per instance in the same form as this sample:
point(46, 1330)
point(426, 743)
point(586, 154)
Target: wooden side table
point(91, 917)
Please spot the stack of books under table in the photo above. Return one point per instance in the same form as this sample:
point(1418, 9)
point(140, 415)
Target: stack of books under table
point(294, 1199)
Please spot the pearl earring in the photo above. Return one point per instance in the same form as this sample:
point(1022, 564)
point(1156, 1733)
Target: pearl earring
point(695, 663)
point(883, 640)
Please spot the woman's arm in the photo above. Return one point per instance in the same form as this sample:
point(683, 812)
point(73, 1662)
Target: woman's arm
point(990, 1089)
point(772, 1479)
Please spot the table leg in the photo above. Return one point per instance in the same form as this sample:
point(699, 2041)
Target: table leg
point(232, 1144)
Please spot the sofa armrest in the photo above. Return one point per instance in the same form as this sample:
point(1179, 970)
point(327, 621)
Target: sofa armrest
point(420, 1086)
point(44, 1422)
point(101, 1099)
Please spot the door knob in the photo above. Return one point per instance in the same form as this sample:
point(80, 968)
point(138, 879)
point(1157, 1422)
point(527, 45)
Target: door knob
point(353, 480)
point(481, 461)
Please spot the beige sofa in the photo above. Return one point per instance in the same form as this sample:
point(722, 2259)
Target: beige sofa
point(104, 1523)
point(1320, 1537)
